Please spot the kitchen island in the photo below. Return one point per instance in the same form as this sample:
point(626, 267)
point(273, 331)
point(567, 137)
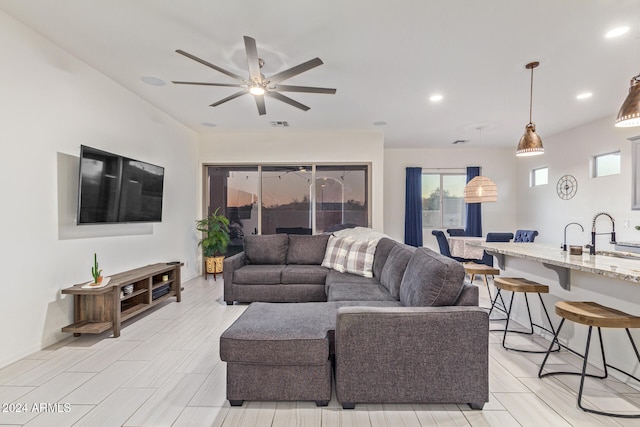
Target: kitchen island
point(615, 264)
point(610, 278)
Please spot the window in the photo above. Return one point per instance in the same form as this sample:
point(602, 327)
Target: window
point(443, 200)
point(606, 164)
point(540, 176)
point(303, 199)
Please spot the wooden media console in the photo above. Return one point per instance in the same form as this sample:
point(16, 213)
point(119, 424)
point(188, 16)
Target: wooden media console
point(101, 309)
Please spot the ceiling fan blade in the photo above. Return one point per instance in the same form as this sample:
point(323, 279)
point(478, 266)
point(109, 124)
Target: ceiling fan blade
point(294, 71)
point(308, 89)
point(209, 84)
point(287, 100)
point(262, 110)
point(229, 98)
point(252, 58)
point(210, 65)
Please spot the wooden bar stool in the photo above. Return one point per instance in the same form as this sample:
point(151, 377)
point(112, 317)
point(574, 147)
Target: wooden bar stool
point(473, 270)
point(524, 286)
point(593, 314)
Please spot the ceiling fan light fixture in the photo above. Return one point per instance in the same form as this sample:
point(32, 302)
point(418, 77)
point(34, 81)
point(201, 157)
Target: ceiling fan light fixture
point(256, 90)
point(629, 114)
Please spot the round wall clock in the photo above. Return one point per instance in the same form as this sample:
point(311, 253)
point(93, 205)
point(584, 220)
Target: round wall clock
point(567, 187)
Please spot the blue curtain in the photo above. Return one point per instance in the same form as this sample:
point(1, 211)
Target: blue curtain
point(413, 208)
point(474, 213)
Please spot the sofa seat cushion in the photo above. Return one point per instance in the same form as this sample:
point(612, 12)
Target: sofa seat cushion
point(337, 277)
point(312, 274)
point(431, 280)
point(358, 292)
point(394, 267)
point(258, 275)
point(307, 249)
point(266, 249)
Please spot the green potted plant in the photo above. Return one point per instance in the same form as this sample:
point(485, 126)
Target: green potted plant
point(215, 229)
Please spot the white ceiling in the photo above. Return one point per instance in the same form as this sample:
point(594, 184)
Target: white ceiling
point(386, 58)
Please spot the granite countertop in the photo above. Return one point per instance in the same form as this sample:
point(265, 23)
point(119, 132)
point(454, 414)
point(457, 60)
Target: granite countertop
point(606, 265)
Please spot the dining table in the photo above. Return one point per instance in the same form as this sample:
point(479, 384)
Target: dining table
point(466, 246)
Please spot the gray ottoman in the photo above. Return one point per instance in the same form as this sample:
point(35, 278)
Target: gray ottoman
point(279, 352)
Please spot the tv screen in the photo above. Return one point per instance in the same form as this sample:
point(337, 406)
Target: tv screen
point(115, 189)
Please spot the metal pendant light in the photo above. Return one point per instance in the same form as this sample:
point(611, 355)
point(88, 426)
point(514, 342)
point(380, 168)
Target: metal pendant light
point(629, 114)
point(530, 144)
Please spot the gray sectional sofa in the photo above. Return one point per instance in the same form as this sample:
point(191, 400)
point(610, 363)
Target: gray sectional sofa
point(413, 332)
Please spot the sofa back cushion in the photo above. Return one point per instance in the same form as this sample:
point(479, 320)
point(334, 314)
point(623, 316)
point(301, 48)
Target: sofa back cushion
point(431, 280)
point(307, 249)
point(266, 249)
point(394, 267)
point(382, 252)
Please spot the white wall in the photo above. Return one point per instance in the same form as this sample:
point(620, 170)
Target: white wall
point(499, 164)
point(51, 104)
point(571, 153)
point(289, 146)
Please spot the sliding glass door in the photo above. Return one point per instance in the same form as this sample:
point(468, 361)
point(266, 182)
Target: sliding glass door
point(234, 191)
point(294, 199)
point(341, 197)
point(286, 199)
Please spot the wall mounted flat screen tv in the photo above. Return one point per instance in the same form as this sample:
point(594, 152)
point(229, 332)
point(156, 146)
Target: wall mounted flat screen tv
point(117, 189)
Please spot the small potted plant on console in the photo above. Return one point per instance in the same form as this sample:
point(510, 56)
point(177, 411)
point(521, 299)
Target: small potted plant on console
point(96, 273)
point(214, 241)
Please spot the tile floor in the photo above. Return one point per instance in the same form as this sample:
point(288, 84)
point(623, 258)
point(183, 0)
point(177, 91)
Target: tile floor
point(164, 370)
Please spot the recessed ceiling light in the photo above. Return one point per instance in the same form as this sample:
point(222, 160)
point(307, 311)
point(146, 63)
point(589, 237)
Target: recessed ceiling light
point(209, 124)
point(153, 81)
point(584, 95)
point(436, 98)
point(616, 32)
point(379, 123)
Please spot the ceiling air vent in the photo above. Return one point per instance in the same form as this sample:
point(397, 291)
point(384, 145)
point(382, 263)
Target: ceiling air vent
point(280, 124)
point(634, 138)
point(460, 141)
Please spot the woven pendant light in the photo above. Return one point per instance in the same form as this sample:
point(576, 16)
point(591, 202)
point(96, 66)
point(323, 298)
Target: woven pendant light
point(480, 190)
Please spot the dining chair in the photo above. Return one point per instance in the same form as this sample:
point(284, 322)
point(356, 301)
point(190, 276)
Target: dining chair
point(495, 237)
point(525, 236)
point(456, 232)
point(443, 243)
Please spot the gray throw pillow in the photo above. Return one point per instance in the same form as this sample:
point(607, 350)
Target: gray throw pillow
point(431, 280)
point(307, 250)
point(266, 249)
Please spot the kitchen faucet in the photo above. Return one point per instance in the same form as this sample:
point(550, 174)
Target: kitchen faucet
point(592, 246)
point(564, 245)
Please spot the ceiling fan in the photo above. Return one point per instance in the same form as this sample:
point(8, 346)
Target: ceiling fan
point(257, 84)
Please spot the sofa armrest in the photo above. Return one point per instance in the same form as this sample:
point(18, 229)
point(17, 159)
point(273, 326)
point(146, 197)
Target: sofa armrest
point(412, 354)
point(230, 264)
